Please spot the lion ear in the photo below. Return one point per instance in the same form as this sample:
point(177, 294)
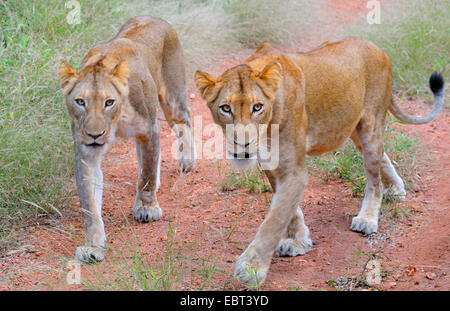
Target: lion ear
point(207, 85)
point(121, 74)
point(67, 76)
point(122, 71)
point(270, 77)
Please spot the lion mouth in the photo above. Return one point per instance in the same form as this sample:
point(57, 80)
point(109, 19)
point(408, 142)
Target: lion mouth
point(244, 155)
point(94, 145)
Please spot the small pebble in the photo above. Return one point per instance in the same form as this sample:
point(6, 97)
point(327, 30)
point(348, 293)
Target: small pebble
point(430, 275)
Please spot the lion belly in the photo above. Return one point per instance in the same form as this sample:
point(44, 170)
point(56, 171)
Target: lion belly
point(318, 142)
point(329, 125)
point(132, 124)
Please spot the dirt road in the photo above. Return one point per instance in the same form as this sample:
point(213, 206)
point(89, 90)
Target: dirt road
point(211, 228)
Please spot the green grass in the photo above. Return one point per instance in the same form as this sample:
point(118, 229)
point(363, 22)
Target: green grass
point(346, 163)
point(130, 269)
point(414, 34)
point(278, 22)
point(175, 268)
point(252, 180)
point(36, 149)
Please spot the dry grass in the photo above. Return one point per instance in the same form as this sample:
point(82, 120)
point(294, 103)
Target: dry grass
point(36, 151)
point(414, 34)
point(252, 180)
point(346, 163)
point(35, 141)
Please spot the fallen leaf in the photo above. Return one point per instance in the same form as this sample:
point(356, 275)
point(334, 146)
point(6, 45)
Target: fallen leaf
point(412, 270)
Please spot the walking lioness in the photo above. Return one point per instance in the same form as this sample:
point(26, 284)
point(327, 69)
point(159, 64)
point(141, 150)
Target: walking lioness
point(318, 100)
point(116, 91)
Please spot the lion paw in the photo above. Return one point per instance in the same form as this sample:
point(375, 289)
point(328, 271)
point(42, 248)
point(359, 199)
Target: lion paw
point(363, 225)
point(90, 254)
point(249, 274)
point(291, 247)
point(147, 214)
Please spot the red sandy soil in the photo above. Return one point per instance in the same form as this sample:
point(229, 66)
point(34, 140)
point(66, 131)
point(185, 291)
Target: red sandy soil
point(211, 227)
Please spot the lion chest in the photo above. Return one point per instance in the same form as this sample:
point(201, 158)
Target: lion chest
point(131, 123)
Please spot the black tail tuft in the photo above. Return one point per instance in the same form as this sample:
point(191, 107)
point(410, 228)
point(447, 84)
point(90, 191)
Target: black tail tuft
point(436, 83)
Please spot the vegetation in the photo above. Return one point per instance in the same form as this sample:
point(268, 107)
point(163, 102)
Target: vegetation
point(414, 34)
point(253, 180)
point(347, 163)
point(36, 151)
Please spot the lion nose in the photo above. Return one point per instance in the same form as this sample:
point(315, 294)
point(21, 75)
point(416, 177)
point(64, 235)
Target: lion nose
point(95, 135)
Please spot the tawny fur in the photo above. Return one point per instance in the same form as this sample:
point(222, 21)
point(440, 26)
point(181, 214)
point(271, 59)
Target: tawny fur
point(141, 68)
point(319, 99)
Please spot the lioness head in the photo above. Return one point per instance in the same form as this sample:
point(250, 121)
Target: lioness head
point(241, 102)
point(94, 96)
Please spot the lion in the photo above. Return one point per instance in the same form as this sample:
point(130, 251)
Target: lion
point(317, 99)
point(116, 92)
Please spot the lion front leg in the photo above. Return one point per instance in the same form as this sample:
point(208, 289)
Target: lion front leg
point(298, 241)
point(252, 266)
point(89, 179)
point(146, 207)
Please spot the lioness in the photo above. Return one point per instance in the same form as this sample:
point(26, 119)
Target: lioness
point(318, 99)
point(116, 91)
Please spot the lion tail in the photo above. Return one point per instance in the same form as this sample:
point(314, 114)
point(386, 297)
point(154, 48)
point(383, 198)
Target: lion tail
point(437, 87)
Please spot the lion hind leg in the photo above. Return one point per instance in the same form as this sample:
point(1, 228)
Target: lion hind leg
point(178, 117)
point(369, 137)
point(174, 103)
point(392, 181)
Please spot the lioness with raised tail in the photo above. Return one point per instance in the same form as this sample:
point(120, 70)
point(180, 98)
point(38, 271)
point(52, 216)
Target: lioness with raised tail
point(317, 99)
point(116, 91)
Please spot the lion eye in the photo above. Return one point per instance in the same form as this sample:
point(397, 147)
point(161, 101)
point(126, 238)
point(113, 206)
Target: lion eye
point(225, 108)
point(80, 102)
point(109, 102)
point(257, 107)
